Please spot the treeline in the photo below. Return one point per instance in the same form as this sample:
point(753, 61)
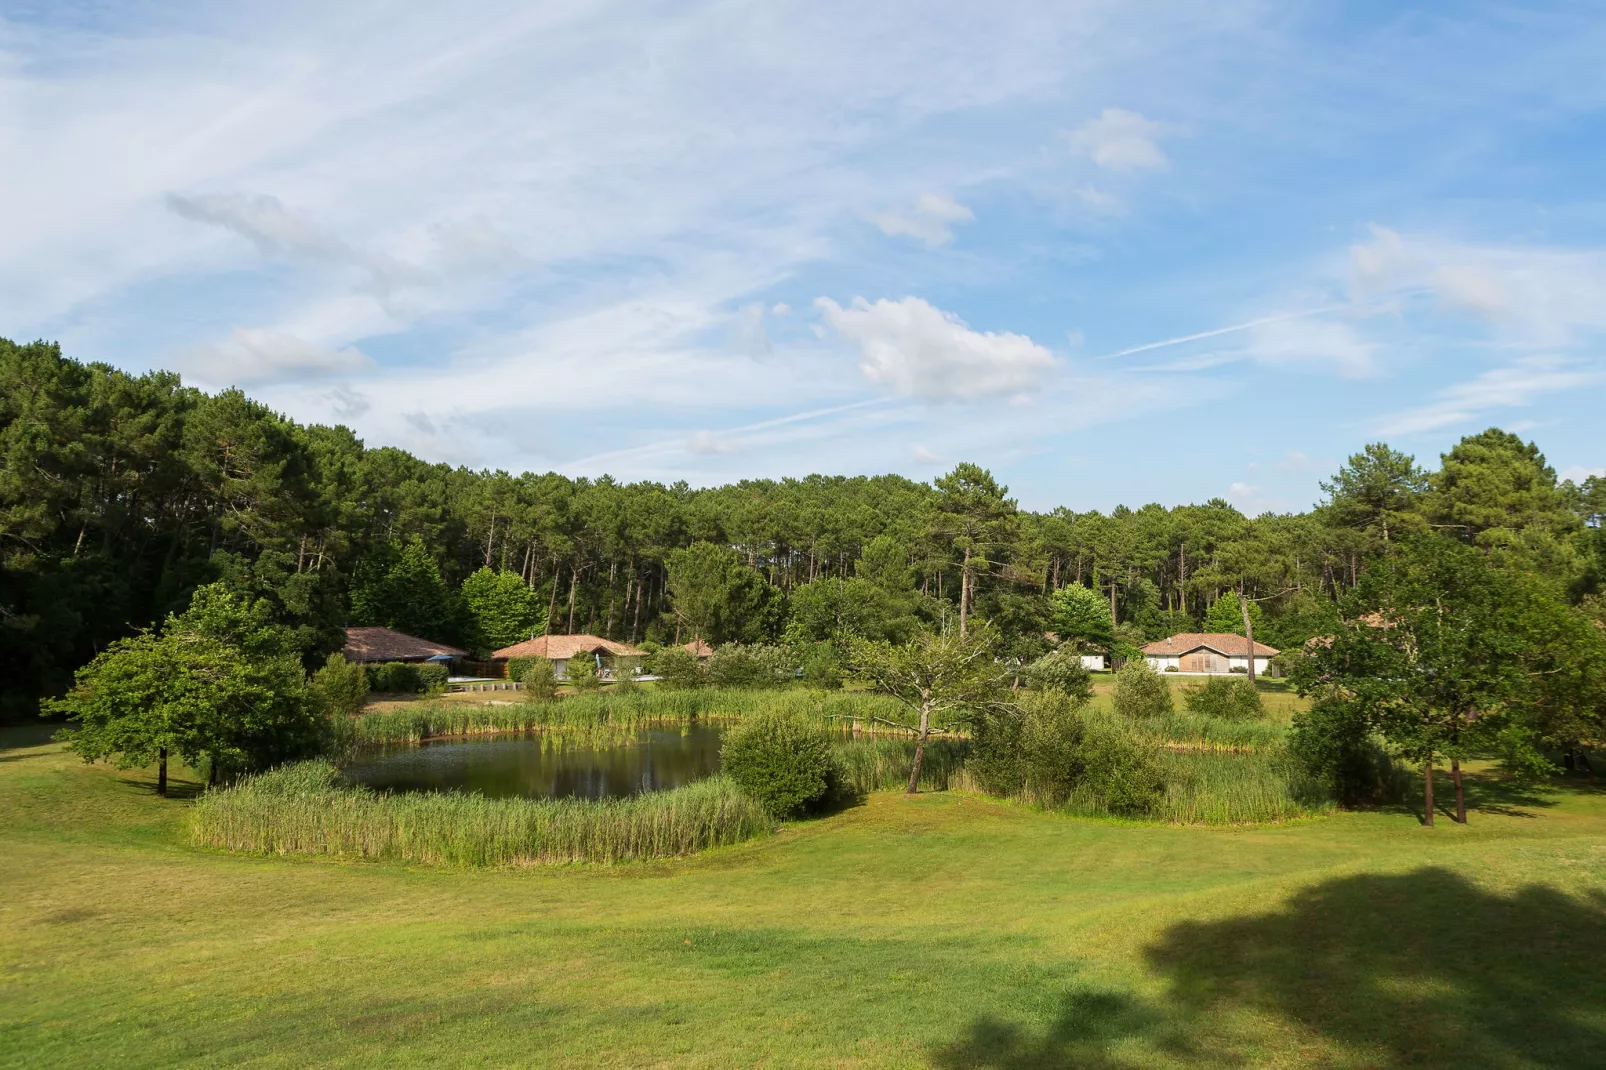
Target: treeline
point(121, 494)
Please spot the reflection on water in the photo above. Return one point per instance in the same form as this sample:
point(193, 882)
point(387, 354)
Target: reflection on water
point(545, 766)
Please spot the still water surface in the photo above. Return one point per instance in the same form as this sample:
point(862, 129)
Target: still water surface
point(535, 767)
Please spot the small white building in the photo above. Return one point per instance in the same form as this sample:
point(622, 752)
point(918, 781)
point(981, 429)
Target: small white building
point(1093, 662)
point(1207, 654)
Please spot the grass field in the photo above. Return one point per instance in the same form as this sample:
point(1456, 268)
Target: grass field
point(944, 930)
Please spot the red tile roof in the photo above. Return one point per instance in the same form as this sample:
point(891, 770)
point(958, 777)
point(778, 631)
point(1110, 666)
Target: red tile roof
point(564, 647)
point(699, 647)
point(1221, 642)
point(382, 644)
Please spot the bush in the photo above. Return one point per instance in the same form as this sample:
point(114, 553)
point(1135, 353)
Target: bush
point(1051, 751)
point(1226, 698)
point(394, 677)
point(1061, 671)
point(517, 667)
point(580, 673)
point(1239, 669)
point(677, 668)
point(1332, 741)
point(432, 677)
point(781, 760)
point(822, 668)
point(340, 687)
point(540, 681)
point(1140, 691)
point(735, 665)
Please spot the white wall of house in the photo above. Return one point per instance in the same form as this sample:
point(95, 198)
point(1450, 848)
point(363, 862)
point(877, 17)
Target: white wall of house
point(1173, 663)
point(1093, 662)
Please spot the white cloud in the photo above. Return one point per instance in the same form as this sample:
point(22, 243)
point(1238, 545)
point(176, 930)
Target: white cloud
point(1578, 473)
point(260, 356)
point(1519, 384)
point(931, 220)
point(706, 442)
point(923, 455)
point(1294, 461)
point(780, 308)
point(1120, 140)
point(348, 403)
point(1532, 296)
point(1305, 342)
point(920, 351)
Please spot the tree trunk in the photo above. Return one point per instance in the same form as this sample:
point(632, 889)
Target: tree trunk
point(1113, 620)
point(161, 772)
point(1427, 792)
point(574, 585)
point(1460, 793)
point(920, 751)
point(211, 774)
point(1249, 633)
point(964, 607)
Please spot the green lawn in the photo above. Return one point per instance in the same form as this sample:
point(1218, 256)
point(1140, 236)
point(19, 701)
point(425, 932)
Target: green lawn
point(945, 930)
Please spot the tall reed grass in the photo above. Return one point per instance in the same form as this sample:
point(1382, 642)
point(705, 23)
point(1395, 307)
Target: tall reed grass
point(1204, 788)
point(430, 720)
point(303, 810)
point(882, 763)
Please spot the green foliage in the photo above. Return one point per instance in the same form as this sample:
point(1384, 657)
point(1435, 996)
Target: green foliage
point(716, 594)
point(432, 677)
point(677, 669)
point(398, 585)
point(1061, 670)
point(1224, 698)
point(1378, 491)
point(822, 666)
point(517, 667)
point(1082, 615)
point(1334, 742)
point(831, 606)
point(394, 677)
point(502, 610)
point(580, 673)
point(1226, 616)
point(220, 685)
point(1492, 485)
point(1140, 691)
point(340, 687)
point(1051, 750)
point(782, 761)
point(301, 810)
point(735, 665)
point(540, 680)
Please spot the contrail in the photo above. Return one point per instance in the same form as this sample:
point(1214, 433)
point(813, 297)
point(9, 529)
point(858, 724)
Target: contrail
point(1222, 330)
point(762, 425)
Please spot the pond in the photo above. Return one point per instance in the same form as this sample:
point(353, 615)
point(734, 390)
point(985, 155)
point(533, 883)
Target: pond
point(540, 766)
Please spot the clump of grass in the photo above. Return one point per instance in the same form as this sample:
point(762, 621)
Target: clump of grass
point(430, 720)
point(882, 763)
point(303, 810)
point(1195, 731)
point(1204, 788)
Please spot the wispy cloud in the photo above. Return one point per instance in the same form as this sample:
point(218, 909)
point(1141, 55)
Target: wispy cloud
point(931, 220)
point(1514, 386)
point(258, 356)
point(1120, 140)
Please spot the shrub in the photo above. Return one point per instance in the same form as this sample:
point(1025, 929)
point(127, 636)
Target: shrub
point(677, 668)
point(432, 677)
point(580, 673)
point(1226, 698)
point(394, 677)
point(735, 665)
point(517, 667)
point(1332, 741)
point(781, 760)
point(1239, 668)
point(1061, 670)
point(1140, 691)
point(340, 687)
point(822, 668)
point(540, 681)
point(1172, 668)
point(1122, 771)
point(1052, 751)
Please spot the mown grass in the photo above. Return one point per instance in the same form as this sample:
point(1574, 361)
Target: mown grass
point(302, 809)
point(943, 930)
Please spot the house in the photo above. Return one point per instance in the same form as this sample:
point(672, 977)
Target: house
point(699, 650)
point(383, 644)
point(558, 649)
point(1207, 653)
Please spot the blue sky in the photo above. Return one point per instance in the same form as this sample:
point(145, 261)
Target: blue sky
point(1116, 252)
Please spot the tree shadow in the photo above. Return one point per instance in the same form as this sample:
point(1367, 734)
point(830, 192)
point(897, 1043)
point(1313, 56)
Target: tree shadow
point(179, 788)
point(1416, 969)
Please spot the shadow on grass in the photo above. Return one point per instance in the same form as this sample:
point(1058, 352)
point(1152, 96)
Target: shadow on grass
point(179, 789)
point(1418, 969)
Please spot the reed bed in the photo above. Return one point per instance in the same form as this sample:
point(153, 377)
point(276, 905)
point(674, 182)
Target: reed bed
point(1203, 788)
point(303, 810)
point(1196, 732)
point(416, 722)
point(882, 763)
